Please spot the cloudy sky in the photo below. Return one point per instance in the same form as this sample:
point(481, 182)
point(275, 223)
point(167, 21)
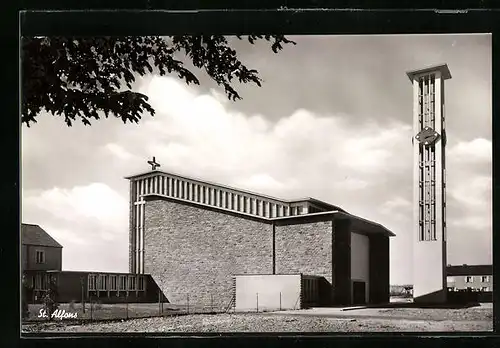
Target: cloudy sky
point(332, 121)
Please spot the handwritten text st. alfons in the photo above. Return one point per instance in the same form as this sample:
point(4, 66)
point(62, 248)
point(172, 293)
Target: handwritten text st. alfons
point(58, 314)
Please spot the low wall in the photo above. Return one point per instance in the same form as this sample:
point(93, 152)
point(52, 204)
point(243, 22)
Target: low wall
point(267, 292)
point(462, 297)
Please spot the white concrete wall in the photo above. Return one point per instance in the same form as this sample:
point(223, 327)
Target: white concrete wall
point(360, 261)
point(268, 289)
point(429, 269)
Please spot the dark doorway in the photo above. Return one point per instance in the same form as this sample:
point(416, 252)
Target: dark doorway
point(358, 293)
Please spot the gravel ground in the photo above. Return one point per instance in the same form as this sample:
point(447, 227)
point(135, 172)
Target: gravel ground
point(469, 314)
point(273, 323)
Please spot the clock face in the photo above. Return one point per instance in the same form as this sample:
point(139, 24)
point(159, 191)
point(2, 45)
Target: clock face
point(427, 136)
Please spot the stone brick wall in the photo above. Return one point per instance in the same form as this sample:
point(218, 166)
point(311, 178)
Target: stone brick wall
point(305, 248)
point(195, 251)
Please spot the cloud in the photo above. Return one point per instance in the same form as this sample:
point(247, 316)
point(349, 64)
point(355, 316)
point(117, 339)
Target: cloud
point(476, 150)
point(265, 183)
point(91, 222)
point(198, 132)
point(118, 151)
point(397, 211)
point(475, 193)
point(474, 200)
point(95, 201)
point(373, 148)
point(351, 184)
point(396, 204)
point(66, 236)
point(473, 222)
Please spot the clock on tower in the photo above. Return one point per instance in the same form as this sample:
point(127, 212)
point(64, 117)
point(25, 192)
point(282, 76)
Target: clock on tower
point(427, 136)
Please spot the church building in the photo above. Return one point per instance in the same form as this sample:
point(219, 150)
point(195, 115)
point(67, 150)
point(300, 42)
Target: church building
point(196, 238)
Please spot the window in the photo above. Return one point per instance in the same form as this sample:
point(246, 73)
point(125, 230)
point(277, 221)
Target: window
point(38, 282)
point(123, 283)
point(92, 282)
point(40, 256)
point(45, 279)
point(112, 282)
point(485, 279)
point(131, 282)
point(102, 282)
point(469, 279)
point(141, 283)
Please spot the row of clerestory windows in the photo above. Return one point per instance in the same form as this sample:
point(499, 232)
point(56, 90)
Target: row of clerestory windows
point(112, 282)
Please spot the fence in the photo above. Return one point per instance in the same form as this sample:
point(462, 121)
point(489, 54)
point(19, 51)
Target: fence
point(94, 310)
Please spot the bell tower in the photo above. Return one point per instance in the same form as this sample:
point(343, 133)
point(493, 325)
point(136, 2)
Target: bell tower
point(429, 184)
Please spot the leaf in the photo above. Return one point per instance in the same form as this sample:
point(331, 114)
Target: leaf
point(83, 78)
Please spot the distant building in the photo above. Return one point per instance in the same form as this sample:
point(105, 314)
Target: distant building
point(408, 290)
point(39, 251)
point(42, 263)
point(105, 287)
point(470, 277)
point(402, 290)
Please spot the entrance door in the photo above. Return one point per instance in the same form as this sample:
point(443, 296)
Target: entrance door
point(358, 293)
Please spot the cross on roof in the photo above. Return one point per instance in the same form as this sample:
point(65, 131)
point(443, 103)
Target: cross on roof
point(153, 164)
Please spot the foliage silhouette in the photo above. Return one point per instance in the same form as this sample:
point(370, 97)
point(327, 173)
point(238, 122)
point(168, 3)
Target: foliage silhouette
point(85, 78)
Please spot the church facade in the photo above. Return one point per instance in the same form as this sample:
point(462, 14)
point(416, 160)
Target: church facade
point(195, 236)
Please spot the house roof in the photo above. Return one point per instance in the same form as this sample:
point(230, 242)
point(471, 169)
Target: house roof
point(469, 270)
point(35, 235)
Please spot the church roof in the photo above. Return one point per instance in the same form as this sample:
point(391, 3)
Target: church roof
point(359, 224)
point(35, 235)
point(298, 200)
